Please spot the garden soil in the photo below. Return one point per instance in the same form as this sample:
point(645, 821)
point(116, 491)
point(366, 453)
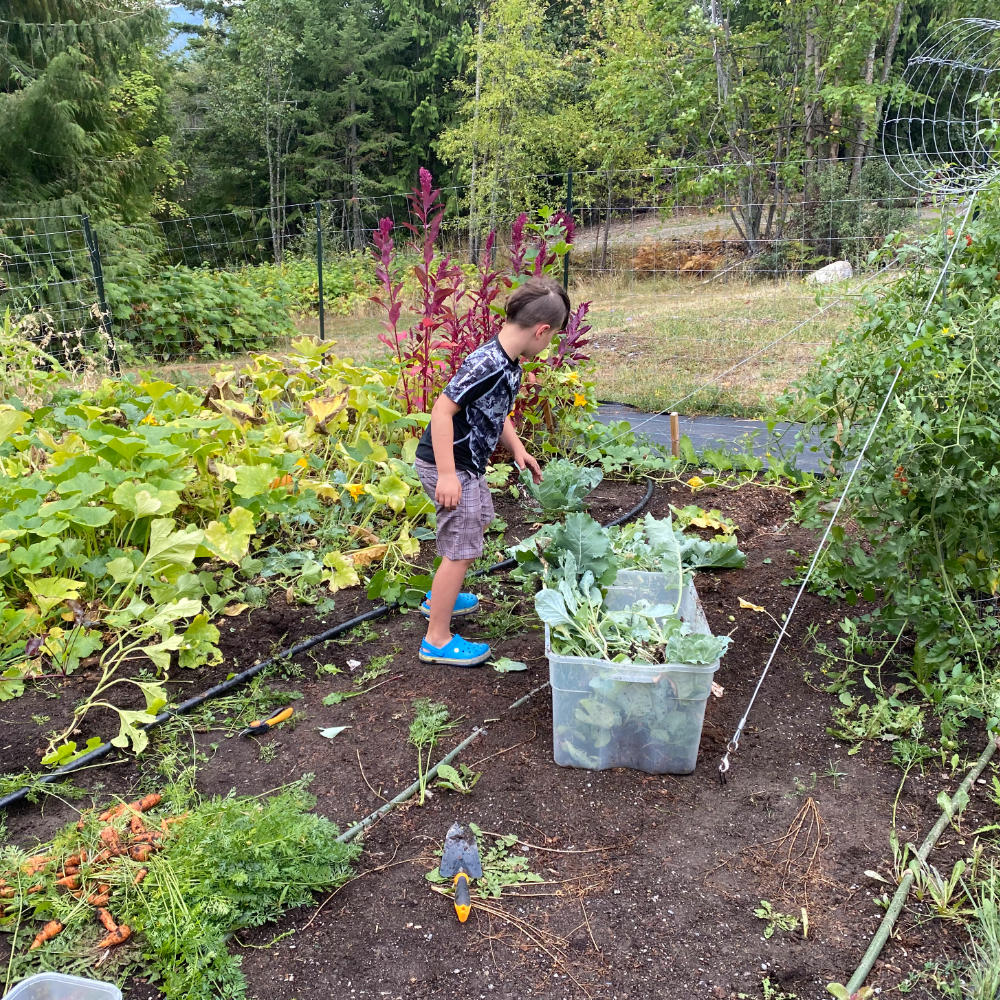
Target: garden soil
point(649, 884)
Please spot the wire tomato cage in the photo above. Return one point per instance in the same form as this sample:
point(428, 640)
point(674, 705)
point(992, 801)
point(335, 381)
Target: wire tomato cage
point(943, 136)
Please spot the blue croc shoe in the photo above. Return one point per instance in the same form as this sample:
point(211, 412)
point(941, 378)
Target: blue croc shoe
point(457, 653)
point(465, 604)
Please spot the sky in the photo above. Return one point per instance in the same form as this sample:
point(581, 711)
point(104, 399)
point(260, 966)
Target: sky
point(178, 13)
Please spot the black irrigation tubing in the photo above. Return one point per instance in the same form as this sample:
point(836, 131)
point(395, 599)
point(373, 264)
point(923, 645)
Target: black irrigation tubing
point(224, 687)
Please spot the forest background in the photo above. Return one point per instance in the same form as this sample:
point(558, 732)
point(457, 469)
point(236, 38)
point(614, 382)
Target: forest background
point(277, 102)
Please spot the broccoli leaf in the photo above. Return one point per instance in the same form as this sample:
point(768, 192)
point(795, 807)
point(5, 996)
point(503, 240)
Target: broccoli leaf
point(564, 486)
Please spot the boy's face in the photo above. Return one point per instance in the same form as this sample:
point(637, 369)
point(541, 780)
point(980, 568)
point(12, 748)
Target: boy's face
point(542, 338)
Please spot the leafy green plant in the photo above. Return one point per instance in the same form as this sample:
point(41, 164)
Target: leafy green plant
point(461, 779)
point(136, 511)
point(225, 864)
point(430, 723)
point(580, 545)
point(923, 560)
point(180, 310)
point(775, 920)
point(769, 992)
point(582, 625)
point(564, 486)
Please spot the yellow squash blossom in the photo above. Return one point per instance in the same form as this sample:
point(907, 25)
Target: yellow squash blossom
point(356, 489)
point(579, 399)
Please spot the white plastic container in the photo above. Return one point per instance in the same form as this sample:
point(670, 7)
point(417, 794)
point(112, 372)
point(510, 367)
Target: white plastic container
point(638, 715)
point(56, 986)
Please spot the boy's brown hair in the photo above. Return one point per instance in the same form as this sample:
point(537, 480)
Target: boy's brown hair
point(539, 300)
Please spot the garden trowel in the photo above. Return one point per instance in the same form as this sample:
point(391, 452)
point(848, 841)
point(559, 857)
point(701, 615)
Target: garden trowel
point(460, 861)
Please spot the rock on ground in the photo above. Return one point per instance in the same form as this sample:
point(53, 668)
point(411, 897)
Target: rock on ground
point(839, 270)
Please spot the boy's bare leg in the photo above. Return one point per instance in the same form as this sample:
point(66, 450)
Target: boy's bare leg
point(445, 589)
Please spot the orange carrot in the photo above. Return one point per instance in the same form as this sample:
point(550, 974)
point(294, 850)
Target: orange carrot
point(112, 812)
point(47, 933)
point(75, 859)
point(148, 837)
point(6, 893)
point(111, 839)
point(107, 921)
point(140, 875)
point(140, 852)
point(69, 882)
point(148, 801)
point(36, 864)
point(164, 823)
point(121, 934)
point(70, 870)
point(101, 899)
point(35, 888)
point(136, 824)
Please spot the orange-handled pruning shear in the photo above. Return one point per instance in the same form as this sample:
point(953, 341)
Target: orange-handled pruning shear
point(263, 725)
point(460, 861)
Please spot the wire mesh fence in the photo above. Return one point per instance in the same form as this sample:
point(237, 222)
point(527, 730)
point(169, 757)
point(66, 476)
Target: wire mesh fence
point(211, 285)
point(50, 279)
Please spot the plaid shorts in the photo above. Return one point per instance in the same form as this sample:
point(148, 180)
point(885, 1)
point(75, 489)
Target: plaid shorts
point(460, 531)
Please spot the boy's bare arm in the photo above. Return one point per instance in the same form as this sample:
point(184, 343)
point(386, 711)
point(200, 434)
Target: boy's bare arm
point(510, 440)
point(449, 490)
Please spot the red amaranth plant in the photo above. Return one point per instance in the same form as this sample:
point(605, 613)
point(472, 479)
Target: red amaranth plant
point(456, 318)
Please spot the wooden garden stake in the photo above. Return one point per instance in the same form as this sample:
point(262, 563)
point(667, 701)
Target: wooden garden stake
point(675, 434)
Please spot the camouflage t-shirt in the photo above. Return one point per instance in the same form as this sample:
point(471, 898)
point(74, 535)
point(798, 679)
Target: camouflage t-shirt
point(485, 388)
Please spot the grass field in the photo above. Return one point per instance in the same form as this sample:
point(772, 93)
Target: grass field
point(666, 343)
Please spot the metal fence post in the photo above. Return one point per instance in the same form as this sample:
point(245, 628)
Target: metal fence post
point(98, 270)
point(319, 268)
point(569, 212)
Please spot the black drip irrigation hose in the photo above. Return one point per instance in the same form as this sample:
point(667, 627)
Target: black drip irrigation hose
point(224, 687)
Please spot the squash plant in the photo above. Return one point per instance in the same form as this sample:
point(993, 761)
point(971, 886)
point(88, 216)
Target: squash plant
point(136, 511)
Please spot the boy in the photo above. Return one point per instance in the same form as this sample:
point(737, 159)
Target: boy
point(467, 421)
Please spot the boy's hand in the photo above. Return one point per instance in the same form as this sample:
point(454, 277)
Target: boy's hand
point(448, 490)
point(525, 461)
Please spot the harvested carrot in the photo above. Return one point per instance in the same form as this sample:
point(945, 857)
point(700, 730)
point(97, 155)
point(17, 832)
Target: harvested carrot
point(107, 921)
point(149, 837)
point(136, 824)
point(75, 860)
point(148, 801)
point(118, 936)
point(112, 812)
point(47, 933)
point(111, 839)
point(69, 882)
point(140, 875)
point(140, 852)
point(36, 864)
point(6, 893)
point(35, 888)
point(164, 823)
point(101, 899)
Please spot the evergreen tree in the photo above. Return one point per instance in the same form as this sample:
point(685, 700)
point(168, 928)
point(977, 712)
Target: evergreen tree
point(349, 90)
point(438, 35)
point(83, 123)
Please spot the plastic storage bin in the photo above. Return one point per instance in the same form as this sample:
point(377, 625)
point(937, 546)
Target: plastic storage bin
point(56, 986)
point(638, 715)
